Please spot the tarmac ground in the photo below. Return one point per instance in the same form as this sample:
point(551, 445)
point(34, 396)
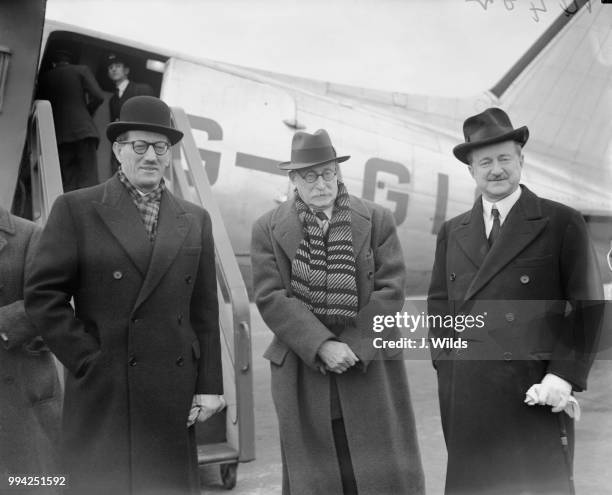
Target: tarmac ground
point(262, 476)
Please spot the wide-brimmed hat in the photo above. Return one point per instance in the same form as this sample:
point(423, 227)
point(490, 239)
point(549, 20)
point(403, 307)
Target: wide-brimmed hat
point(144, 113)
point(308, 150)
point(489, 127)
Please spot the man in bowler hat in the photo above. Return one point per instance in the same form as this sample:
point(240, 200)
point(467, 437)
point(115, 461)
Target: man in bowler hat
point(525, 265)
point(141, 346)
point(324, 263)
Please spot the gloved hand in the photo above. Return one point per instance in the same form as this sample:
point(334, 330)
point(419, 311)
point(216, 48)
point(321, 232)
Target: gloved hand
point(552, 391)
point(203, 406)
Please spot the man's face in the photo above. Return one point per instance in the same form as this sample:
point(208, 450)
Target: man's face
point(117, 72)
point(144, 171)
point(319, 194)
point(496, 168)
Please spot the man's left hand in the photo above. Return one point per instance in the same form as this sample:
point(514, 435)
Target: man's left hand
point(552, 391)
point(203, 406)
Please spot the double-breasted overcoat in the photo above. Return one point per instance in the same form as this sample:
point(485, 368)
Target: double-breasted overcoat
point(30, 400)
point(374, 395)
point(538, 291)
point(142, 340)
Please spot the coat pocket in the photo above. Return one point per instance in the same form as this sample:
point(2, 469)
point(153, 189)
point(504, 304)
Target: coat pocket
point(40, 379)
point(276, 352)
point(541, 355)
point(533, 261)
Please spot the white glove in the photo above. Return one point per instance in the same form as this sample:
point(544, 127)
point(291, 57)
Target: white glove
point(552, 391)
point(203, 406)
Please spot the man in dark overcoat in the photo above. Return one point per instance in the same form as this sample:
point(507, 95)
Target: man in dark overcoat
point(141, 347)
point(75, 95)
point(30, 397)
point(324, 263)
point(525, 266)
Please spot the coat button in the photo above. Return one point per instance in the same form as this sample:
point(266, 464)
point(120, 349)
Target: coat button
point(510, 317)
point(179, 318)
point(117, 275)
point(132, 361)
point(370, 274)
point(453, 276)
point(524, 279)
point(507, 356)
point(188, 279)
point(180, 361)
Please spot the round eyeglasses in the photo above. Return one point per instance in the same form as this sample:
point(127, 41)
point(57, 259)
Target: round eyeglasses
point(140, 147)
point(312, 177)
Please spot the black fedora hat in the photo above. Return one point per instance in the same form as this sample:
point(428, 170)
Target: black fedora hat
point(144, 113)
point(489, 127)
point(308, 150)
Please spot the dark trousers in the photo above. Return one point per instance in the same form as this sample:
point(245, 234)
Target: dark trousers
point(78, 163)
point(349, 485)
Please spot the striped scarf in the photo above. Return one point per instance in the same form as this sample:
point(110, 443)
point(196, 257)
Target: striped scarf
point(147, 205)
point(323, 275)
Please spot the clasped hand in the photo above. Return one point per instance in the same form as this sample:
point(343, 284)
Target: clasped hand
point(203, 406)
point(337, 357)
point(552, 391)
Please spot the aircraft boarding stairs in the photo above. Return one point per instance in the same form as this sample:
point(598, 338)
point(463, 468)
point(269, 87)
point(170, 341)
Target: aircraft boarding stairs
point(228, 437)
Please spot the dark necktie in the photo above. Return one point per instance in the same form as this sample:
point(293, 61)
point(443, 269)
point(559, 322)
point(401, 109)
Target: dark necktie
point(494, 234)
point(324, 221)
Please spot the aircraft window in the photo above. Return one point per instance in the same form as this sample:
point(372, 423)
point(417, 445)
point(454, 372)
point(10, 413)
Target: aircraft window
point(156, 65)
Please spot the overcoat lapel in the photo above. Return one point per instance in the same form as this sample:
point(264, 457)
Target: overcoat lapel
point(471, 235)
point(361, 224)
point(121, 216)
point(287, 228)
point(523, 225)
point(288, 232)
point(6, 225)
point(173, 225)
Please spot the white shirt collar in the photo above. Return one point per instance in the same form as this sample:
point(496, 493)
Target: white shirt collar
point(503, 206)
point(121, 86)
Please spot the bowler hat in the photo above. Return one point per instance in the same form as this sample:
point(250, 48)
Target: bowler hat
point(144, 113)
point(489, 127)
point(308, 150)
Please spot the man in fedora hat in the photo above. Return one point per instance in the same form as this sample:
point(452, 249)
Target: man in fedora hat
point(324, 263)
point(141, 347)
point(526, 266)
